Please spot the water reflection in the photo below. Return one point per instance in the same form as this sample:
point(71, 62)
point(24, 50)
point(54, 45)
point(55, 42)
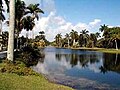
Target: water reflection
point(111, 62)
point(93, 69)
point(75, 59)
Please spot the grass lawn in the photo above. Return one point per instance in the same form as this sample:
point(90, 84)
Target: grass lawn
point(99, 49)
point(13, 79)
point(16, 82)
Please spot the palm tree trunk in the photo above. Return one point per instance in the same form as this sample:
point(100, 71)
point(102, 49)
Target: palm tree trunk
point(32, 34)
point(74, 42)
point(68, 43)
point(116, 44)
point(0, 27)
point(10, 52)
point(0, 34)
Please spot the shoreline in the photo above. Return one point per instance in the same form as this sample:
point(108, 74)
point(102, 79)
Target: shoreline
point(104, 50)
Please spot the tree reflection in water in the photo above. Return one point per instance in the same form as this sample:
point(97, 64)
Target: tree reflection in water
point(111, 62)
point(75, 59)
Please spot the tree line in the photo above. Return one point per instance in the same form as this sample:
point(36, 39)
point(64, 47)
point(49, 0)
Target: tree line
point(110, 38)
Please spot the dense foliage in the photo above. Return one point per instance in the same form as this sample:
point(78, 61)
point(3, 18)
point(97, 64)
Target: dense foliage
point(110, 38)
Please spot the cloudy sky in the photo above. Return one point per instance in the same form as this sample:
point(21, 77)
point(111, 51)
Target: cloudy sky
point(63, 15)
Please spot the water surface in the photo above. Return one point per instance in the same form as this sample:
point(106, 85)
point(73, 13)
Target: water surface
point(81, 69)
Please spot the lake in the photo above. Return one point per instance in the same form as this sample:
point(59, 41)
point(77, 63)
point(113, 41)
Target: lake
point(81, 69)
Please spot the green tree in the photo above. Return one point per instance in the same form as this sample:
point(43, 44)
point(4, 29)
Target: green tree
point(85, 36)
point(34, 10)
point(74, 36)
point(28, 24)
point(67, 36)
point(58, 40)
point(104, 29)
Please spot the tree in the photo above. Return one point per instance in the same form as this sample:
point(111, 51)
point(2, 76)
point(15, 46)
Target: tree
point(28, 24)
point(74, 36)
point(20, 12)
point(104, 29)
point(34, 10)
point(10, 52)
point(58, 39)
point(93, 39)
point(68, 38)
point(42, 36)
point(85, 36)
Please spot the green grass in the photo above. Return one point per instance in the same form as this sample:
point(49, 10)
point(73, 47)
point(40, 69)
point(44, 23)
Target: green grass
point(14, 79)
point(99, 49)
point(16, 82)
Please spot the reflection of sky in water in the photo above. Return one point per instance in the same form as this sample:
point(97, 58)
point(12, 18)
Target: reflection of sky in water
point(62, 62)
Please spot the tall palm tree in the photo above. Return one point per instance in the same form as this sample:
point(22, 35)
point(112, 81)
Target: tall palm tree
point(20, 12)
point(85, 36)
point(74, 36)
point(10, 52)
point(58, 39)
point(34, 10)
point(105, 30)
point(28, 24)
point(68, 38)
point(93, 39)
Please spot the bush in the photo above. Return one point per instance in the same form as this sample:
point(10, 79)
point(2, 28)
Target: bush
point(17, 68)
point(29, 55)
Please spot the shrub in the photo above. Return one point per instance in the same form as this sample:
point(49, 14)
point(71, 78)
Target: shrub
point(29, 55)
point(17, 68)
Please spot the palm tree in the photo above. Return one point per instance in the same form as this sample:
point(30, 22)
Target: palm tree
point(10, 52)
point(28, 24)
point(74, 36)
point(85, 36)
point(93, 39)
point(42, 36)
point(67, 37)
point(97, 34)
point(20, 12)
point(58, 39)
point(104, 29)
point(34, 10)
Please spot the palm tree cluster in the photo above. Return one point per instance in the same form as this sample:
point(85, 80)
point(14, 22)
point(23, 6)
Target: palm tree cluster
point(73, 39)
point(111, 37)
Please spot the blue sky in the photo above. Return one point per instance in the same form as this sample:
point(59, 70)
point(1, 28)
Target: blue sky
point(86, 10)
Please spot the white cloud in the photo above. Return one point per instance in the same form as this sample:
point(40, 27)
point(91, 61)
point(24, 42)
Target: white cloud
point(95, 22)
point(53, 24)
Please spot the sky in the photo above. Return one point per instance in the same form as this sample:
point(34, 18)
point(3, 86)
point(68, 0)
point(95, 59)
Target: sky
point(61, 16)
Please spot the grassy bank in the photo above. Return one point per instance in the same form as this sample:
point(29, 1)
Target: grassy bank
point(18, 77)
point(16, 82)
point(99, 49)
